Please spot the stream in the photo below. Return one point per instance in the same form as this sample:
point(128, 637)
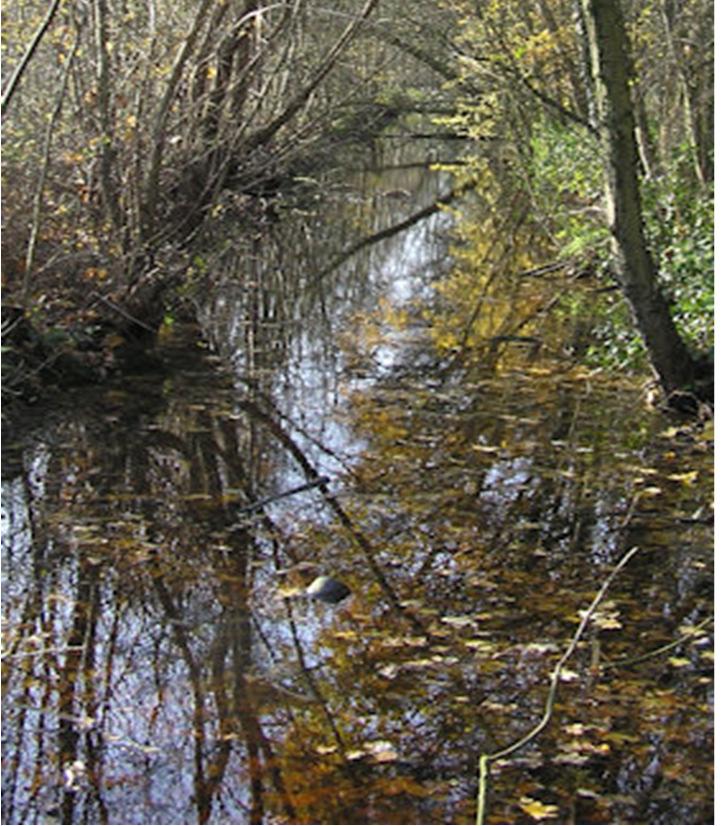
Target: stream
point(162, 662)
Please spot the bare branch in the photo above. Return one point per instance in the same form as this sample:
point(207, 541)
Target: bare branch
point(12, 84)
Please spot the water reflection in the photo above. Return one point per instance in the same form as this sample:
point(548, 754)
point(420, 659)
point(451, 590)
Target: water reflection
point(159, 664)
point(279, 310)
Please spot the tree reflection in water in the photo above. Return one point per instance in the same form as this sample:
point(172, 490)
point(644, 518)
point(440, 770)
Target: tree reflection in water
point(158, 668)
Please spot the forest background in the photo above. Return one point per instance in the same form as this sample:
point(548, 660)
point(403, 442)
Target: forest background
point(139, 135)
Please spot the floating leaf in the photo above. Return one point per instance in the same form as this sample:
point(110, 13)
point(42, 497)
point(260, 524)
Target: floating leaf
point(581, 792)
point(381, 751)
point(621, 737)
point(490, 705)
point(678, 662)
point(691, 630)
point(437, 658)
point(536, 809)
point(585, 747)
point(404, 642)
point(486, 448)
point(458, 622)
point(385, 756)
point(346, 634)
point(290, 591)
point(685, 478)
point(577, 729)
point(422, 663)
point(605, 616)
point(608, 622)
point(571, 758)
point(480, 646)
point(541, 647)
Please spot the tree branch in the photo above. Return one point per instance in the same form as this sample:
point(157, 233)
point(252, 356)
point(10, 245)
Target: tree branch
point(12, 84)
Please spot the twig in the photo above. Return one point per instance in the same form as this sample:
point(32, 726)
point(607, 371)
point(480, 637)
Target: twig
point(485, 759)
point(123, 312)
point(658, 651)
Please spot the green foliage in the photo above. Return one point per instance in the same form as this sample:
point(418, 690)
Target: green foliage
point(566, 181)
point(567, 171)
point(680, 225)
point(615, 344)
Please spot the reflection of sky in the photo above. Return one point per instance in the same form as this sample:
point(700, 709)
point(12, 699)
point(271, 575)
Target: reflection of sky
point(305, 384)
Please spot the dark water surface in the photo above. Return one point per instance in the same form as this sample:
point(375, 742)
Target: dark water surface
point(161, 664)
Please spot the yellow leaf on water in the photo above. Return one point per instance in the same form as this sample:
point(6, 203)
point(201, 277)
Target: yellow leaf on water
point(679, 662)
point(288, 591)
point(536, 809)
point(387, 756)
point(481, 646)
point(458, 622)
point(345, 634)
point(685, 478)
point(690, 630)
point(609, 622)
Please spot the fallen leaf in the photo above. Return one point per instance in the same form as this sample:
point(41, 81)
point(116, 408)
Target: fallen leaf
point(541, 647)
point(571, 758)
point(381, 751)
point(286, 591)
point(536, 809)
point(458, 622)
point(678, 662)
point(685, 478)
point(481, 646)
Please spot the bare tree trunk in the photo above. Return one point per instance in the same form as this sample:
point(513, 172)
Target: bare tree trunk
point(635, 268)
point(692, 108)
point(108, 182)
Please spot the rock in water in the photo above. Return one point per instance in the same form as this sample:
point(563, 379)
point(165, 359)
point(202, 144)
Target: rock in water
point(327, 589)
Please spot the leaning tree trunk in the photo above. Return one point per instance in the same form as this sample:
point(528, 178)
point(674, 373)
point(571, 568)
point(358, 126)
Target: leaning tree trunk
point(635, 268)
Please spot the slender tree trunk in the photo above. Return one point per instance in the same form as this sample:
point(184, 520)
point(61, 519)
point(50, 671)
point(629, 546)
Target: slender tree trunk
point(635, 268)
point(692, 107)
point(12, 84)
